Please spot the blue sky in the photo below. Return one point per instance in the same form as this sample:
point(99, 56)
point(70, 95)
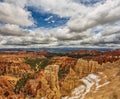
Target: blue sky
point(67, 23)
point(90, 2)
point(46, 20)
point(50, 20)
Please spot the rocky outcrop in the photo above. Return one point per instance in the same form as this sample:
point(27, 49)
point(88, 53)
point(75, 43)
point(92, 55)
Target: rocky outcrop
point(111, 90)
point(62, 78)
point(99, 85)
point(71, 81)
point(6, 88)
point(51, 76)
point(80, 70)
point(99, 56)
point(85, 52)
point(46, 85)
point(64, 62)
point(84, 67)
point(14, 68)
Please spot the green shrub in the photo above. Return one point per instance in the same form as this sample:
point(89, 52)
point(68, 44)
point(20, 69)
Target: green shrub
point(62, 73)
point(37, 63)
point(21, 83)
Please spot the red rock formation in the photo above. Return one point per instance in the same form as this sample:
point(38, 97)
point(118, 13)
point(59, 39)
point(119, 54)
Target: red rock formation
point(84, 67)
point(6, 88)
point(70, 82)
point(100, 56)
point(31, 87)
point(64, 62)
point(80, 70)
point(46, 84)
point(85, 52)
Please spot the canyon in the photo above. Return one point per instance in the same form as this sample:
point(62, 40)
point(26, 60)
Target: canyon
point(80, 74)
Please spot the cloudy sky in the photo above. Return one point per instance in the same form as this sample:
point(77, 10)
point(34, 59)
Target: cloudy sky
point(59, 23)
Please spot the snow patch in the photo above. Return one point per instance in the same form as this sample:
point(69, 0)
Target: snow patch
point(102, 85)
point(88, 82)
point(78, 90)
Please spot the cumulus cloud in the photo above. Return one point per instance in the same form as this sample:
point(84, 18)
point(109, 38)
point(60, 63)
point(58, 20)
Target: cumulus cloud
point(20, 3)
point(13, 14)
point(89, 26)
point(109, 30)
point(63, 8)
point(28, 41)
point(15, 36)
point(13, 30)
point(106, 13)
point(109, 36)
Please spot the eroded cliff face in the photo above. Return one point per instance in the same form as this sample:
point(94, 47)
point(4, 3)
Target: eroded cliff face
point(7, 90)
point(80, 70)
point(111, 89)
point(100, 85)
point(64, 62)
point(48, 86)
point(52, 84)
point(84, 67)
point(71, 81)
point(5, 87)
point(99, 56)
point(59, 78)
point(45, 85)
point(13, 65)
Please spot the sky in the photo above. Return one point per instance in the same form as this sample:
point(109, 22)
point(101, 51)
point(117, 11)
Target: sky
point(59, 23)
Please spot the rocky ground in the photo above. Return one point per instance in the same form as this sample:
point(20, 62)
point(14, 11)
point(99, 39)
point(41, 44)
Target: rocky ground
point(33, 75)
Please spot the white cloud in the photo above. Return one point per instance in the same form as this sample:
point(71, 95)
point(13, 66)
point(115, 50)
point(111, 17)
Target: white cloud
point(106, 13)
point(61, 37)
point(13, 14)
point(13, 30)
point(50, 17)
point(63, 8)
point(109, 30)
point(20, 3)
point(109, 36)
point(15, 36)
point(79, 31)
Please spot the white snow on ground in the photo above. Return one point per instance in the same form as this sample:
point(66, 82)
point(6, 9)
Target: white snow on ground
point(78, 90)
point(92, 76)
point(89, 81)
point(102, 85)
